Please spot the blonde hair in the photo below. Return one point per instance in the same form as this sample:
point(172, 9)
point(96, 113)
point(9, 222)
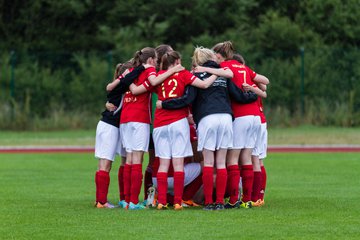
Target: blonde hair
point(225, 49)
point(202, 55)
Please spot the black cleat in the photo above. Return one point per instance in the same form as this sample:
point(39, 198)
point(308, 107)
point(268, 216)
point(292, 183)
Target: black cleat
point(209, 207)
point(230, 206)
point(219, 206)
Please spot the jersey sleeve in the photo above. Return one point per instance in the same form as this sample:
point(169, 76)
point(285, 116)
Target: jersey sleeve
point(188, 77)
point(251, 72)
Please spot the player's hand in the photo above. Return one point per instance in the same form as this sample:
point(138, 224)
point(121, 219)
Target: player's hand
point(190, 119)
point(159, 104)
point(110, 107)
point(198, 69)
point(178, 68)
point(246, 87)
point(147, 66)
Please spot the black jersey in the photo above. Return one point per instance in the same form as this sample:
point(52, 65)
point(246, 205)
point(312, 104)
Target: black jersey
point(214, 99)
point(115, 97)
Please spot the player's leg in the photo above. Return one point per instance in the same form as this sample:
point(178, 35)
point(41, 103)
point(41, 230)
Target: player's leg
point(221, 177)
point(233, 177)
point(122, 153)
point(105, 150)
point(162, 181)
point(136, 176)
point(255, 195)
point(121, 181)
point(180, 148)
point(139, 144)
point(148, 172)
point(163, 152)
point(178, 164)
point(246, 171)
point(208, 177)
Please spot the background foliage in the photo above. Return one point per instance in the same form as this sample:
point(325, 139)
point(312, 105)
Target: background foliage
point(57, 56)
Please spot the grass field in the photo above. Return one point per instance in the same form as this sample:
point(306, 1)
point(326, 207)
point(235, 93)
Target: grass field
point(50, 196)
point(296, 135)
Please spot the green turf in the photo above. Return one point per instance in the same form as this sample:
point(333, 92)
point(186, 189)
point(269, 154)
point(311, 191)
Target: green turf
point(50, 196)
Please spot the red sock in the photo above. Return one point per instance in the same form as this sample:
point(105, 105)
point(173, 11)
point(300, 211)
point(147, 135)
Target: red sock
point(178, 187)
point(263, 183)
point(136, 182)
point(102, 181)
point(208, 184)
point(247, 175)
point(127, 182)
point(192, 188)
point(162, 186)
point(147, 180)
point(221, 176)
point(233, 183)
point(256, 187)
point(121, 182)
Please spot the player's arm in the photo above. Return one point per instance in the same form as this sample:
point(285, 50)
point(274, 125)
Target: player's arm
point(261, 79)
point(204, 83)
point(239, 95)
point(262, 86)
point(180, 102)
point(161, 77)
point(222, 72)
point(254, 89)
point(123, 82)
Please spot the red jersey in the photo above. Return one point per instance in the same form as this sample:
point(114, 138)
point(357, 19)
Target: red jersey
point(137, 108)
point(172, 87)
point(242, 74)
point(261, 107)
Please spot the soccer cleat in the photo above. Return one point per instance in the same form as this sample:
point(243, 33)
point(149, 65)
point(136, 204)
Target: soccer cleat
point(258, 203)
point(123, 204)
point(151, 200)
point(209, 207)
point(219, 206)
point(189, 203)
point(105, 205)
point(245, 204)
point(138, 206)
point(230, 206)
point(162, 206)
point(178, 207)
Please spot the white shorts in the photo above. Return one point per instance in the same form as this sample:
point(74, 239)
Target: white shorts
point(191, 171)
point(246, 129)
point(261, 143)
point(215, 131)
point(173, 140)
point(135, 136)
point(106, 141)
point(120, 148)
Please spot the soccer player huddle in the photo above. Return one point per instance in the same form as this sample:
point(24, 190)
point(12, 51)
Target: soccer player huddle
point(204, 129)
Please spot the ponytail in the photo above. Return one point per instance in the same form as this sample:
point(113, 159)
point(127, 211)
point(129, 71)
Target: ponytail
point(143, 55)
point(225, 49)
point(168, 59)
